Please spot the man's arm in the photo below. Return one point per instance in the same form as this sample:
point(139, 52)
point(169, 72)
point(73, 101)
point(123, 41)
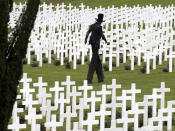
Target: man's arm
point(87, 34)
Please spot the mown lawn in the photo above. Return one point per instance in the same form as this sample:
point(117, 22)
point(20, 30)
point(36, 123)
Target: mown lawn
point(146, 83)
point(106, 3)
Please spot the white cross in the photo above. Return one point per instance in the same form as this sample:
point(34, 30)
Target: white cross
point(75, 128)
point(15, 112)
point(29, 101)
point(90, 121)
point(62, 51)
point(113, 104)
point(48, 108)
point(136, 111)
point(85, 89)
point(93, 99)
point(74, 95)
point(68, 83)
point(53, 124)
point(62, 101)
point(26, 90)
point(68, 115)
point(125, 120)
point(17, 126)
point(162, 90)
point(82, 105)
point(25, 79)
point(29, 104)
point(40, 84)
point(70, 6)
point(133, 92)
point(102, 113)
point(82, 6)
point(63, 6)
point(33, 116)
point(43, 96)
point(57, 89)
point(124, 99)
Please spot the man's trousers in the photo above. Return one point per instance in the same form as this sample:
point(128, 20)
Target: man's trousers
point(95, 65)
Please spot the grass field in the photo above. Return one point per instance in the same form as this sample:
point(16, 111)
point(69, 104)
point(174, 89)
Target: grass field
point(106, 3)
point(146, 83)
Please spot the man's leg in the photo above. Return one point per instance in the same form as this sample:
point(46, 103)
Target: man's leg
point(99, 70)
point(91, 69)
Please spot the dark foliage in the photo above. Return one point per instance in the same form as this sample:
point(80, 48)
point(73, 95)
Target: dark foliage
point(149, 112)
point(12, 53)
point(42, 127)
point(135, 61)
point(78, 61)
point(34, 59)
point(52, 57)
point(22, 119)
point(113, 64)
point(52, 52)
point(106, 67)
point(24, 61)
point(66, 60)
point(140, 120)
point(86, 58)
point(56, 62)
point(68, 65)
point(45, 60)
point(118, 115)
point(43, 55)
point(143, 70)
point(20, 105)
point(107, 122)
point(121, 59)
point(32, 52)
point(128, 108)
point(165, 69)
point(38, 111)
point(34, 64)
point(127, 67)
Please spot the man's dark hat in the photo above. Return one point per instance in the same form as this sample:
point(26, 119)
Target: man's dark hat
point(100, 18)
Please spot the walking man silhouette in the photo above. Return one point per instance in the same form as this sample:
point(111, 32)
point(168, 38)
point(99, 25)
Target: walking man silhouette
point(96, 34)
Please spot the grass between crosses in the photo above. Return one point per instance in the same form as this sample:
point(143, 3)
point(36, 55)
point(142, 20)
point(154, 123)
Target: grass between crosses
point(51, 73)
point(146, 83)
point(106, 3)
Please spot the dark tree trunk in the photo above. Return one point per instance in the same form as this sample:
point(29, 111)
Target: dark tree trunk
point(11, 54)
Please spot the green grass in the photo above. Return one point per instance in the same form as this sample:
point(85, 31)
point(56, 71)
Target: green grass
point(145, 82)
point(51, 73)
point(106, 3)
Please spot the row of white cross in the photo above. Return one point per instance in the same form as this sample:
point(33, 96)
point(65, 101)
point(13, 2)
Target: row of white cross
point(137, 32)
point(65, 96)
